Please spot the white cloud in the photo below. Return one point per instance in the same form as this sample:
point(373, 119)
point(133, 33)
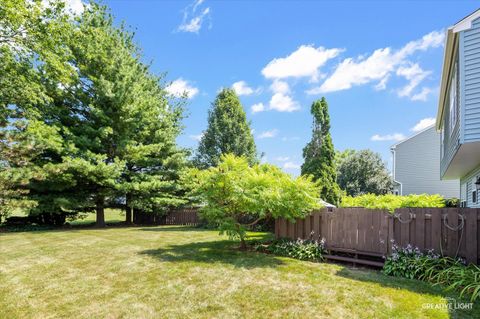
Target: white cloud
point(376, 67)
point(196, 137)
point(389, 137)
point(423, 124)
point(75, 6)
point(422, 95)
point(283, 103)
point(282, 158)
point(279, 86)
point(192, 19)
point(294, 138)
point(268, 134)
point(414, 74)
point(181, 88)
point(291, 165)
point(259, 107)
point(242, 88)
point(304, 62)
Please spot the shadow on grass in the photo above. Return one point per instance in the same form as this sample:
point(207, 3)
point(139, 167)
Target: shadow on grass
point(413, 285)
point(165, 228)
point(214, 252)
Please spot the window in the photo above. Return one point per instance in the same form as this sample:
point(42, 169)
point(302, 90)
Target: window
point(474, 196)
point(453, 100)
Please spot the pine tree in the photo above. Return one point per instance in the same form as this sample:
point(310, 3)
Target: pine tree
point(99, 132)
point(319, 154)
point(228, 132)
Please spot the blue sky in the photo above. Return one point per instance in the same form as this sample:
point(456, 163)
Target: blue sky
point(377, 63)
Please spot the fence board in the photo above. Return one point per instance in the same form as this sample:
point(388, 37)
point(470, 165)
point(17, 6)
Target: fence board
point(371, 231)
point(471, 236)
point(420, 229)
point(316, 225)
point(452, 235)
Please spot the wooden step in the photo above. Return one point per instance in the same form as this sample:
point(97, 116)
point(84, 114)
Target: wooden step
point(353, 251)
point(354, 260)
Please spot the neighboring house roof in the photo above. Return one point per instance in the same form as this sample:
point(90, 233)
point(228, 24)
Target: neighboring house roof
point(450, 48)
point(409, 138)
point(328, 205)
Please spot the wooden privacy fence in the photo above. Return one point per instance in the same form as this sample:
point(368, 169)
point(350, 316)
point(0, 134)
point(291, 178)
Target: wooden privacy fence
point(182, 216)
point(449, 231)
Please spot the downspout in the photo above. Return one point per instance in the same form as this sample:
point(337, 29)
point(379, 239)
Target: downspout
point(393, 170)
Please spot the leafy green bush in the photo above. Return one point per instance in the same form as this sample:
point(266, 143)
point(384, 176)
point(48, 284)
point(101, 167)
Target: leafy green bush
point(409, 262)
point(392, 202)
point(237, 196)
point(465, 279)
point(298, 249)
point(452, 273)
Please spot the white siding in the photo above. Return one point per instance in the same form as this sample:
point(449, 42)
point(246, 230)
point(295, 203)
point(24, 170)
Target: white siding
point(417, 166)
point(467, 183)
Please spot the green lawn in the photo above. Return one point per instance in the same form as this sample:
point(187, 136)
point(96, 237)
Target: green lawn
point(175, 272)
point(112, 216)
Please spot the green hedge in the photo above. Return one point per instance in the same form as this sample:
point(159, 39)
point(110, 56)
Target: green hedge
point(392, 202)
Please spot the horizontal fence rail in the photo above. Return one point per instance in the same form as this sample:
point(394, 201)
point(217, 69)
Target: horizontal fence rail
point(181, 216)
point(451, 232)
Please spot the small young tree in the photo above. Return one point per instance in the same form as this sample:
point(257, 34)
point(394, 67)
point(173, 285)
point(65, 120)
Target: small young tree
point(319, 154)
point(364, 172)
point(228, 132)
point(233, 190)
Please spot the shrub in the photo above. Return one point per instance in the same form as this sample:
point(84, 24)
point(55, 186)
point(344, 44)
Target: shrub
point(392, 202)
point(465, 279)
point(408, 262)
point(298, 249)
point(452, 273)
point(237, 196)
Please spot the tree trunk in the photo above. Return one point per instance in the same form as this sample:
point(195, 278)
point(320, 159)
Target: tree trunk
point(128, 210)
point(100, 211)
point(243, 244)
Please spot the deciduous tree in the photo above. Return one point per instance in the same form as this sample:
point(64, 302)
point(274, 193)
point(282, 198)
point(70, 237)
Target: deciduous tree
point(364, 172)
point(233, 190)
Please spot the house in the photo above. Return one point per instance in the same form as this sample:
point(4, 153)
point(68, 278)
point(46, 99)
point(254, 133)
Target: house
point(416, 163)
point(458, 116)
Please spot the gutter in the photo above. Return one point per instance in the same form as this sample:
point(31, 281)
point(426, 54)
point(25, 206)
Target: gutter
point(392, 149)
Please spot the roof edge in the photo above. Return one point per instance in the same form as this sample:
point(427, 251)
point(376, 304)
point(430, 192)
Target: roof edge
point(412, 136)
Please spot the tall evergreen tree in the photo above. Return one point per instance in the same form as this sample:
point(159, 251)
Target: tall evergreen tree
point(319, 154)
point(100, 132)
point(33, 55)
point(228, 132)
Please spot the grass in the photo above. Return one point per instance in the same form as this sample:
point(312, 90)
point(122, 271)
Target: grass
point(112, 216)
point(176, 272)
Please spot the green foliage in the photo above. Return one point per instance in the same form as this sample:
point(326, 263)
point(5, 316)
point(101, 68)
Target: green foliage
point(319, 154)
point(298, 249)
point(458, 277)
point(32, 56)
point(392, 202)
point(451, 273)
point(452, 202)
point(91, 125)
point(363, 172)
point(233, 190)
point(408, 262)
point(228, 132)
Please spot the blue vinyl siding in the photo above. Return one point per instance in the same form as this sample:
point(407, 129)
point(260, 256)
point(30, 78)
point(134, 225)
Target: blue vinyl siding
point(470, 95)
point(451, 138)
point(467, 186)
